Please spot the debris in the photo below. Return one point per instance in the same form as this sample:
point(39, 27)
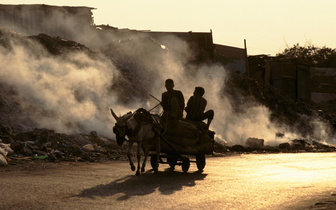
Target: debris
point(255, 143)
point(238, 148)
point(56, 151)
point(4, 151)
point(41, 157)
point(284, 146)
point(3, 160)
point(88, 148)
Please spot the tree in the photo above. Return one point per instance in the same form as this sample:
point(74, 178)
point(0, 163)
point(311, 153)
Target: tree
point(315, 56)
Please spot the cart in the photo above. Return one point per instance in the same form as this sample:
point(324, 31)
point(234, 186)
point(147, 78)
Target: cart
point(181, 151)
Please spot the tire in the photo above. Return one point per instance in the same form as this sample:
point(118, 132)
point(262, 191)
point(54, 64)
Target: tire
point(200, 162)
point(153, 161)
point(185, 164)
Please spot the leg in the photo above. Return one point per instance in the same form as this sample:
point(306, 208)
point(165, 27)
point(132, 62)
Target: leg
point(208, 115)
point(130, 145)
point(146, 151)
point(138, 158)
point(158, 149)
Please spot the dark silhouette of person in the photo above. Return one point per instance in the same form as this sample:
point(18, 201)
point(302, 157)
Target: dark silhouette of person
point(196, 107)
point(172, 102)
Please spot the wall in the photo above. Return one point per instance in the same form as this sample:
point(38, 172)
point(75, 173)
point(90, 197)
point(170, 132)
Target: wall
point(51, 20)
point(323, 84)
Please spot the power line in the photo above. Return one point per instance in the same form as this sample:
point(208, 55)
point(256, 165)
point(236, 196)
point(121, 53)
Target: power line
point(242, 46)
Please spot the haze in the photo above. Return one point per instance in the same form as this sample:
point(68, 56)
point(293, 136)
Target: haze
point(268, 26)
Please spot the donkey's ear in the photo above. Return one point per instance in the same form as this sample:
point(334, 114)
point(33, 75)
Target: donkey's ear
point(114, 115)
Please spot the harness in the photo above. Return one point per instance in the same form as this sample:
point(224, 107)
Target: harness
point(142, 117)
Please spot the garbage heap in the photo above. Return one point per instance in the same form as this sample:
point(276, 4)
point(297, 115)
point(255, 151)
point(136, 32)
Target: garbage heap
point(47, 145)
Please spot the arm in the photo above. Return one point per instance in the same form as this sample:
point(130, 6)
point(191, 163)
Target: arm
point(204, 104)
point(188, 104)
point(181, 99)
point(164, 101)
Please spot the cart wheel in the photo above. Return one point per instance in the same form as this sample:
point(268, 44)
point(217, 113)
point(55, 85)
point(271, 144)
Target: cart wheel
point(153, 161)
point(200, 162)
point(172, 162)
point(185, 164)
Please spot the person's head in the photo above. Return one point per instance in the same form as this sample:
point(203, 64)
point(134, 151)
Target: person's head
point(169, 84)
point(199, 91)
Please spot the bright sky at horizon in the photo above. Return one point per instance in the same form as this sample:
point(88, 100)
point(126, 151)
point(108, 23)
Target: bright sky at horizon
point(269, 26)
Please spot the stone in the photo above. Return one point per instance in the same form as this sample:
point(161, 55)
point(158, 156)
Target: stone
point(3, 152)
point(3, 161)
point(88, 148)
point(255, 143)
point(7, 149)
point(285, 146)
point(238, 148)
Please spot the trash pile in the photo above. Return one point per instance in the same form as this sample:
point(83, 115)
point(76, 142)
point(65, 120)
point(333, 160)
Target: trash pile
point(255, 145)
point(5, 150)
point(47, 145)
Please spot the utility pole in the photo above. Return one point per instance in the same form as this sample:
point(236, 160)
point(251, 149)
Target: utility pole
point(246, 60)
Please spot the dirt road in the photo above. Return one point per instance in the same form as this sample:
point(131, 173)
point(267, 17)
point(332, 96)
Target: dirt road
point(275, 181)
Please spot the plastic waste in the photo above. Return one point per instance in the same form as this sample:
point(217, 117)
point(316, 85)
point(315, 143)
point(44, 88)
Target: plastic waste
point(41, 157)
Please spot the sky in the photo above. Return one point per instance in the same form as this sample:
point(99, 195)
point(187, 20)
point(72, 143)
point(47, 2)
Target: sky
point(269, 26)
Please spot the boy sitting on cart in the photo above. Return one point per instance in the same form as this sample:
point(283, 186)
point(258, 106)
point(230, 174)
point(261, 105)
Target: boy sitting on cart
point(196, 107)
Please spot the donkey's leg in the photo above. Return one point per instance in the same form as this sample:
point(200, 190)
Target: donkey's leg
point(158, 149)
point(146, 152)
point(130, 145)
point(138, 158)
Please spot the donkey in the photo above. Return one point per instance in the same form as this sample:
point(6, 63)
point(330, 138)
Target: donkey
point(138, 127)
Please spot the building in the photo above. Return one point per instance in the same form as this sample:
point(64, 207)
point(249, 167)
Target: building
point(232, 58)
point(51, 20)
point(292, 77)
point(323, 86)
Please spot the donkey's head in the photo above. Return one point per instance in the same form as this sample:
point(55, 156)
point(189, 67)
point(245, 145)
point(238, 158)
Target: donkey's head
point(120, 128)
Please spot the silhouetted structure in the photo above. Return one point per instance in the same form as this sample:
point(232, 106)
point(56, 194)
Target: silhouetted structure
point(233, 58)
point(51, 20)
point(323, 86)
point(290, 76)
point(68, 22)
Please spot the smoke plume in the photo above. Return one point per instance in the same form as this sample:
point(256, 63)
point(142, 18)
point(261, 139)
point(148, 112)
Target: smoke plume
point(72, 93)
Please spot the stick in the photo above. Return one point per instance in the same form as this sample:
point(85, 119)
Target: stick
point(154, 107)
point(155, 98)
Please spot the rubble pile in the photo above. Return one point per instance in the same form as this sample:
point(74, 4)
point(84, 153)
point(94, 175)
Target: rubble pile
point(55, 147)
point(59, 46)
point(255, 145)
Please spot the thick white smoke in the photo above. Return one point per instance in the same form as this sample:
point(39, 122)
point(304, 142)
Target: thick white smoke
point(66, 94)
point(72, 93)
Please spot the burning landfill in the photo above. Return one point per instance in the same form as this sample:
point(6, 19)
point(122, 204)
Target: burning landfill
point(56, 95)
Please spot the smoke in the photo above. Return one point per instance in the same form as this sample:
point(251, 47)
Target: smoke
point(72, 93)
point(65, 94)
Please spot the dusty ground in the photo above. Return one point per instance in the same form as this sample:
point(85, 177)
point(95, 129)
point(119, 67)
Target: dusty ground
point(36, 168)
